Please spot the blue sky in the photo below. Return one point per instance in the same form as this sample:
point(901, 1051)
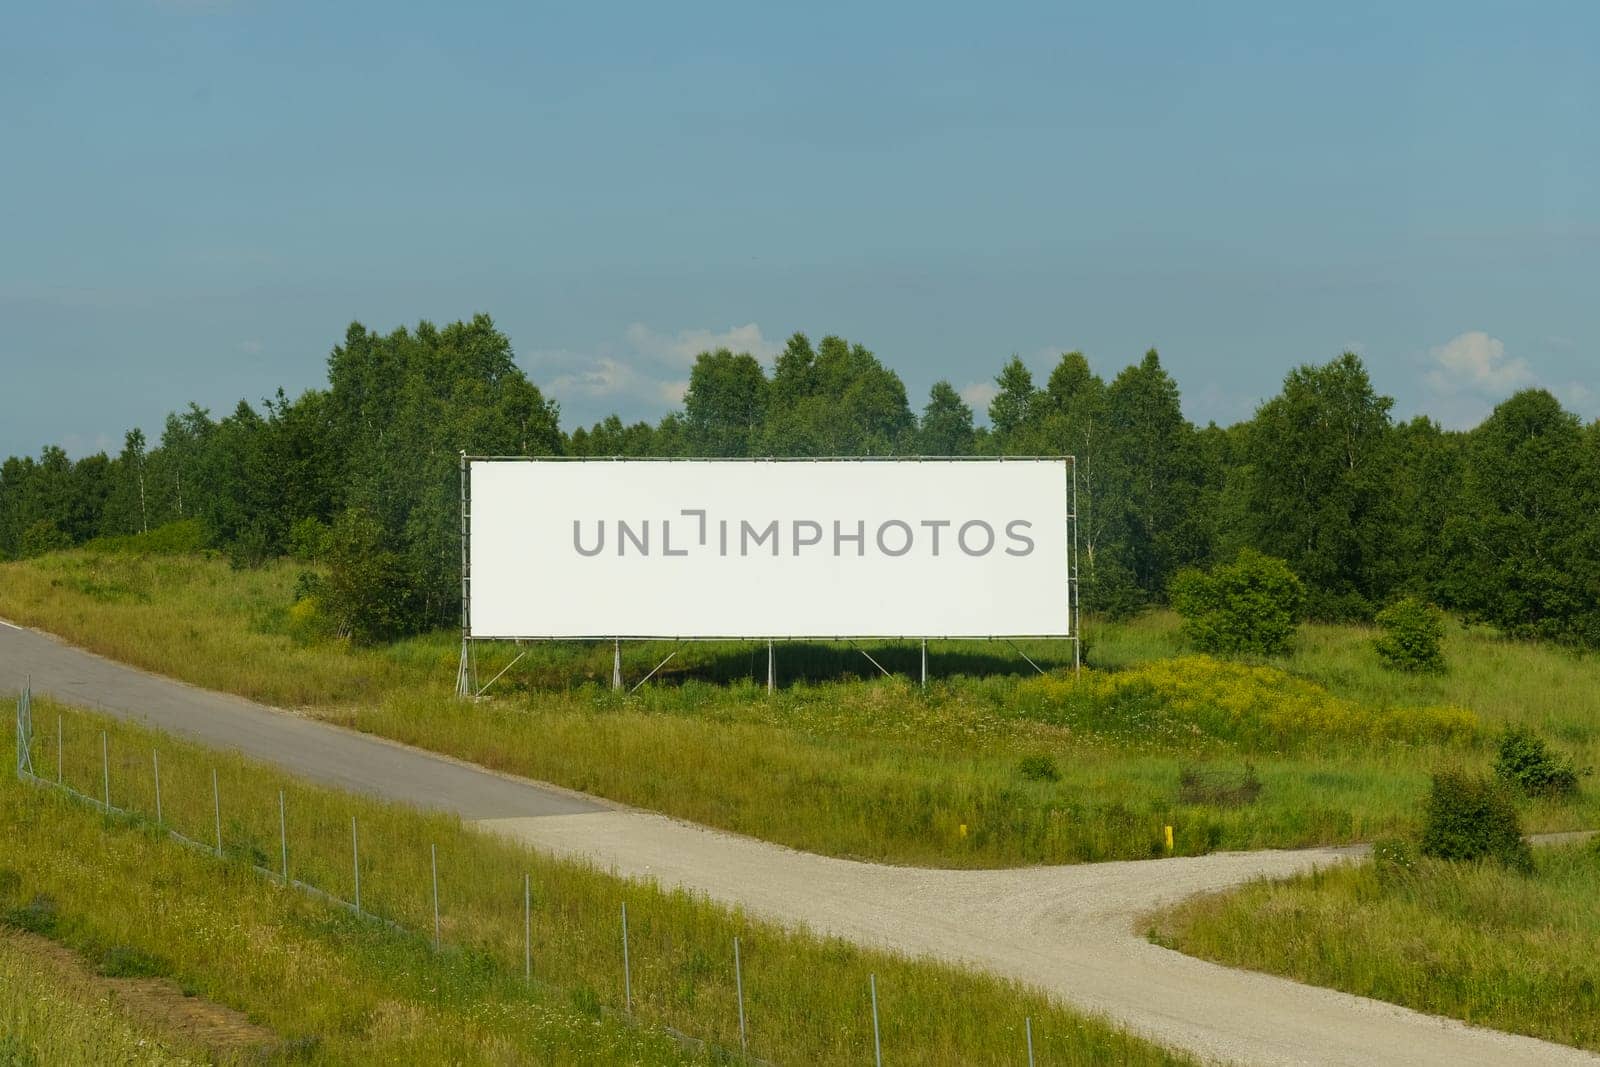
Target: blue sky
point(199, 197)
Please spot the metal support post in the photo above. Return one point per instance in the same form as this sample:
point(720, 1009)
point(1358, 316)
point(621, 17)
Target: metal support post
point(772, 668)
point(616, 663)
point(216, 808)
point(466, 671)
point(924, 663)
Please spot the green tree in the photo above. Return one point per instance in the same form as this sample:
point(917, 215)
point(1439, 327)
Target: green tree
point(946, 428)
point(1411, 636)
point(836, 401)
point(1525, 529)
point(1014, 411)
point(1150, 480)
point(1321, 461)
point(725, 404)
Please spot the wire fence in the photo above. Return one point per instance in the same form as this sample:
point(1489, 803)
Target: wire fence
point(252, 855)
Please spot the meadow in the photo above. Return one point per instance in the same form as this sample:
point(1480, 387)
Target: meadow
point(1322, 746)
point(1473, 941)
point(504, 984)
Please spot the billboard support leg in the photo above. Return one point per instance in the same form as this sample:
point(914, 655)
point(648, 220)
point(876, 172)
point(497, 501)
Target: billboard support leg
point(924, 663)
point(466, 676)
point(616, 663)
point(772, 669)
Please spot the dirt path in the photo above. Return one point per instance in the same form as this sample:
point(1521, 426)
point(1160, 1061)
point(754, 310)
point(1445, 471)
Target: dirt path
point(157, 1005)
point(1072, 931)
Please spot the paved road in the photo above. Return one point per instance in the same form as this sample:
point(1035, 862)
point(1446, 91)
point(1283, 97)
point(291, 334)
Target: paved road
point(315, 750)
point(1072, 931)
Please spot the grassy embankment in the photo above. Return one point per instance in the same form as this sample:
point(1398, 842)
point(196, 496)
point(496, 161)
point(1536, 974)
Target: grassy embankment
point(337, 988)
point(1476, 942)
point(49, 1017)
point(873, 767)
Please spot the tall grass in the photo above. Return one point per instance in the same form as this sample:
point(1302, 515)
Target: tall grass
point(47, 1017)
point(865, 766)
point(1477, 942)
point(310, 969)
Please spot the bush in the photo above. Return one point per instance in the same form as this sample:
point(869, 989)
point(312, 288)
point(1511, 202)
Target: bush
point(1393, 860)
point(366, 593)
point(1526, 763)
point(1039, 769)
point(1412, 633)
point(1472, 818)
point(308, 539)
point(1220, 788)
point(1249, 605)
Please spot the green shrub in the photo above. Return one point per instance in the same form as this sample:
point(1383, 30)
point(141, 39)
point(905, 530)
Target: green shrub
point(1394, 859)
point(1039, 769)
point(308, 539)
point(1470, 817)
point(1412, 634)
point(1526, 763)
point(1221, 788)
point(1249, 605)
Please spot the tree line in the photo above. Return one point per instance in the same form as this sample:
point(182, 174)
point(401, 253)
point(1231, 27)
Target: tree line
point(1494, 523)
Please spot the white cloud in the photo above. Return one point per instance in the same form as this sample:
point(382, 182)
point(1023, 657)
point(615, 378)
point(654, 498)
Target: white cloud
point(641, 374)
point(1474, 362)
point(979, 395)
point(685, 345)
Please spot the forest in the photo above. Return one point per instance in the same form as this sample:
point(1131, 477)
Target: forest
point(360, 477)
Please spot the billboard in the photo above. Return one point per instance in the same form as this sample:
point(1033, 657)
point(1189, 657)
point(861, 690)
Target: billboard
point(768, 548)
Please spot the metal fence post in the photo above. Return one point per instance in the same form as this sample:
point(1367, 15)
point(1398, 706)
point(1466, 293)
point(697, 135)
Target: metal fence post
point(1028, 1025)
point(527, 927)
point(877, 1043)
point(216, 806)
point(433, 852)
point(627, 973)
point(105, 770)
point(738, 980)
point(58, 748)
point(155, 766)
point(283, 837)
point(355, 861)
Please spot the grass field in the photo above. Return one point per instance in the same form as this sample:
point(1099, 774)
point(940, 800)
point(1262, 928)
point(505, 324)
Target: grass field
point(338, 988)
point(1479, 943)
point(1037, 770)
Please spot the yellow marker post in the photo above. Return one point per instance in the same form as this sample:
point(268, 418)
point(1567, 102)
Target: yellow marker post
point(963, 830)
point(1169, 839)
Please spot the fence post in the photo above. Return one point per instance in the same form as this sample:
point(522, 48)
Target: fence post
point(877, 1043)
point(283, 837)
point(627, 974)
point(1028, 1025)
point(216, 808)
point(155, 765)
point(105, 770)
point(58, 748)
point(527, 927)
point(355, 861)
point(433, 851)
point(738, 980)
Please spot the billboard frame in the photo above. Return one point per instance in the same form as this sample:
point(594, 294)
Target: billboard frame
point(467, 671)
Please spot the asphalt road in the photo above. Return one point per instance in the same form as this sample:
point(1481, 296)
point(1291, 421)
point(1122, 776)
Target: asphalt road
point(1074, 932)
point(316, 750)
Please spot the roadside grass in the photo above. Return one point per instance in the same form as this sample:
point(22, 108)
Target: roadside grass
point(1475, 942)
point(46, 1018)
point(853, 764)
point(340, 988)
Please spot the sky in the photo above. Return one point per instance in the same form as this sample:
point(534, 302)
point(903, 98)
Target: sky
point(196, 198)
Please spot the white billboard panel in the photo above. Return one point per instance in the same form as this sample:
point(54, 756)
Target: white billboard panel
point(763, 548)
